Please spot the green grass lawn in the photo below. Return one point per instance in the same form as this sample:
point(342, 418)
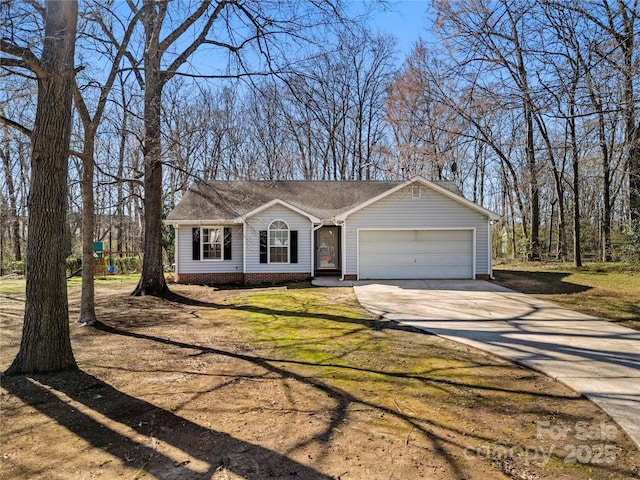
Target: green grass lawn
point(610, 291)
point(352, 349)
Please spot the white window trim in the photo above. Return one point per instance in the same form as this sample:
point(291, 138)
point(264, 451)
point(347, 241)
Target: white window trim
point(214, 227)
point(269, 243)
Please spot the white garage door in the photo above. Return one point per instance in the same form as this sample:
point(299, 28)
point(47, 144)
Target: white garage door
point(396, 254)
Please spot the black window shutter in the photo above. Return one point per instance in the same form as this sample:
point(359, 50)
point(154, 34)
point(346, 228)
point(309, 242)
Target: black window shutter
point(195, 242)
point(263, 246)
point(293, 253)
point(227, 244)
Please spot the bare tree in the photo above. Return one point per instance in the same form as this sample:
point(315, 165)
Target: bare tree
point(91, 123)
point(423, 124)
point(493, 36)
point(5, 153)
point(46, 345)
point(263, 27)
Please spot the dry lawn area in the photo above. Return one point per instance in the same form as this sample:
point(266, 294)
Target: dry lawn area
point(609, 291)
point(286, 383)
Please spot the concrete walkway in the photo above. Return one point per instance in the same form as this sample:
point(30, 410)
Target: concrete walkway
point(596, 358)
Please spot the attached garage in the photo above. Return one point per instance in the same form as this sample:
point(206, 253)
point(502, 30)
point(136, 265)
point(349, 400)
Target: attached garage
point(416, 254)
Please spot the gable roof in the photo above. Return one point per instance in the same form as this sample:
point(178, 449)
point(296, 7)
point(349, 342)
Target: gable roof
point(277, 201)
point(232, 201)
point(437, 186)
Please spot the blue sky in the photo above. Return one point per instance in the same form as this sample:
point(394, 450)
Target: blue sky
point(405, 19)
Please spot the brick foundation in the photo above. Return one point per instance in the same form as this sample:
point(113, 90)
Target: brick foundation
point(259, 278)
point(240, 278)
point(235, 278)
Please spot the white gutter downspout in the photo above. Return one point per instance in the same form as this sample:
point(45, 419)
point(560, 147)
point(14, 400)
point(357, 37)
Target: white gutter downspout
point(489, 223)
point(314, 229)
point(343, 241)
point(244, 249)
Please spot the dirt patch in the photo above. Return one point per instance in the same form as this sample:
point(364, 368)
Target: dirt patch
point(281, 383)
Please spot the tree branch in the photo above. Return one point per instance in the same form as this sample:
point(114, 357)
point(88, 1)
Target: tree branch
point(182, 58)
point(188, 22)
point(29, 60)
point(18, 126)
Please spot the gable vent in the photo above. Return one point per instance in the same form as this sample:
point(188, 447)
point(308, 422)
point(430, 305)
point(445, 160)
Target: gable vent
point(415, 191)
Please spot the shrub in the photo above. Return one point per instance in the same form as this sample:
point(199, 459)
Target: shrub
point(631, 247)
point(17, 267)
point(73, 264)
point(125, 265)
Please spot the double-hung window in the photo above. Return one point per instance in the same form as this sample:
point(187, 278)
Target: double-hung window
point(212, 240)
point(278, 242)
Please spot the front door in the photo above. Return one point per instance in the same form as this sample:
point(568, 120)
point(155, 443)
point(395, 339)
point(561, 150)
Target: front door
point(328, 248)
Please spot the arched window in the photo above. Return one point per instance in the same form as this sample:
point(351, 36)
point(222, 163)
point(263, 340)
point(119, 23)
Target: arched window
point(278, 242)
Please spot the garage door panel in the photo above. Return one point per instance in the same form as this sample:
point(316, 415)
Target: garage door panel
point(396, 254)
point(450, 260)
point(441, 235)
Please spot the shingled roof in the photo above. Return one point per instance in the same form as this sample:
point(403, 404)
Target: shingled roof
point(227, 201)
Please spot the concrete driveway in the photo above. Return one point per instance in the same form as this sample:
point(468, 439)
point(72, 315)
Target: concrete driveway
point(597, 358)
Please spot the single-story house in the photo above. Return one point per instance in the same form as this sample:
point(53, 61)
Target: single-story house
point(252, 232)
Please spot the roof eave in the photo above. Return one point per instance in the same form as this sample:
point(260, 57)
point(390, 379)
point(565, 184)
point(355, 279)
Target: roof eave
point(217, 221)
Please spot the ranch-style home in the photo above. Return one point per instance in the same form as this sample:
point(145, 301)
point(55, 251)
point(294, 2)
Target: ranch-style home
point(252, 232)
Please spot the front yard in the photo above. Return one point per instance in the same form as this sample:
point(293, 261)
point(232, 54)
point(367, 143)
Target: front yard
point(610, 291)
point(286, 383)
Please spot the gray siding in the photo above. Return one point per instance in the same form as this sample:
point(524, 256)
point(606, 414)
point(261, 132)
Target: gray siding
point(430, 210)
point(186, 264)
point(261, 221)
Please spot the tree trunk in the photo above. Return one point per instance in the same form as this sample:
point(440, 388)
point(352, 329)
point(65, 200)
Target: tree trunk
point(13, 209)
point(634, 172)
point(46, 344)
point(87, 300)
point(627, 42)
point(121, 157)
point(534, 191)
point(152, 280)
point(577, 255)
point(577, 249)
point(606, 209)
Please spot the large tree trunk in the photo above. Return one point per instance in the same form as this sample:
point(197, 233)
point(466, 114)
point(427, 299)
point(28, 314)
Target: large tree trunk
point(46, 345)
point(152, 280)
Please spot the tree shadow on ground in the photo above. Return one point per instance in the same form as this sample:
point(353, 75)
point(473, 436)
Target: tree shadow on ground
point(538, 282)
point(342, 399)
point(442, 444)
point(217, 450)
point(50, 395)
